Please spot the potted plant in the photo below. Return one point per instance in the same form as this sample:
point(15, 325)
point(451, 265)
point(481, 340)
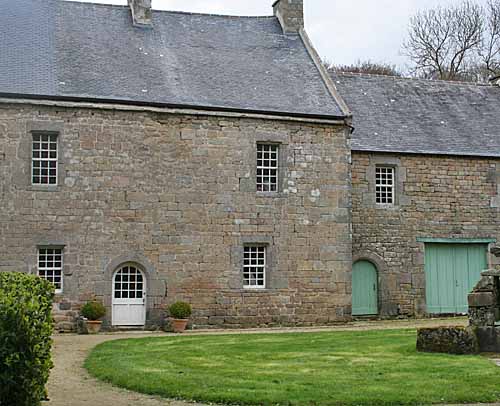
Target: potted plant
point(92, 311)
point(180, 312)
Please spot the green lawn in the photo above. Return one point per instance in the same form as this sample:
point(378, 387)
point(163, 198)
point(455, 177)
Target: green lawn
point(351, 368)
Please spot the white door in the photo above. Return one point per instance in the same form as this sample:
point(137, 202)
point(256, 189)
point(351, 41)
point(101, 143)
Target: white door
point(129, 297)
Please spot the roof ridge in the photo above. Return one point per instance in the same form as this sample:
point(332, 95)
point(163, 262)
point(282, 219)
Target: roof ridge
point(92, 3)
point(409, 78)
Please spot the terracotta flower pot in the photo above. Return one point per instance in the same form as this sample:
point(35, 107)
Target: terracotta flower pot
point(179, 325)
point(93, 326)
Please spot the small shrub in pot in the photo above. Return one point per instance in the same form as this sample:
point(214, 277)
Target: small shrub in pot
point(180, 313)
point(93, 311)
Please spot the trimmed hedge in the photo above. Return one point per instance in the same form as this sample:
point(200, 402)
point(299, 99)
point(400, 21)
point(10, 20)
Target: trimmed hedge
point(25, 338)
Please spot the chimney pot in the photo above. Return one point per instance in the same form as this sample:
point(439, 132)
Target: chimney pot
point(290, 13)
point(141, 12)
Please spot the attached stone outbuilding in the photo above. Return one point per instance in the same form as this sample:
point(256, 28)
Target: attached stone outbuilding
point(425, 191)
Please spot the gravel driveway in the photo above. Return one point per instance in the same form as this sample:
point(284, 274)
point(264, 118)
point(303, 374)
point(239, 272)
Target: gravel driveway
point(71, 385)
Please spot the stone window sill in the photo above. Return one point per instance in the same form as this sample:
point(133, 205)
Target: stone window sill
point(256, 291)
point(271, 195)
point(37, 188)
point(387, 206)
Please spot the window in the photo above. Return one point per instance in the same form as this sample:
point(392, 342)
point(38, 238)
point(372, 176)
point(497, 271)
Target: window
point(44, 159)
point(384, 184)
point(50, 265)
point(254, 267)
point(129, 283)
point(267, 167)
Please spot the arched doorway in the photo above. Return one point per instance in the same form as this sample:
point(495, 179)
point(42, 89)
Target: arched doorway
point(129, 296)
point(364, 289)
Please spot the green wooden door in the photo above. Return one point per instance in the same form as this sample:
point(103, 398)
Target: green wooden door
point(364, 289)
point(451, 271)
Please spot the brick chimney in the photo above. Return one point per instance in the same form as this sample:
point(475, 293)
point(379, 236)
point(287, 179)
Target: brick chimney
point(290, 13)
point(141, 12)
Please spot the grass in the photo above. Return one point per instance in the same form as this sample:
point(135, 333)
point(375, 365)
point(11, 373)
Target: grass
point(333, 368)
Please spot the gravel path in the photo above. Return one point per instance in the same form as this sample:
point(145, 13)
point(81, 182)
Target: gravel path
point(71, 385)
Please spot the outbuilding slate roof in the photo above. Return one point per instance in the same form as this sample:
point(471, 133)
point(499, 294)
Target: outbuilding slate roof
point(91, 51)
point(421, 116)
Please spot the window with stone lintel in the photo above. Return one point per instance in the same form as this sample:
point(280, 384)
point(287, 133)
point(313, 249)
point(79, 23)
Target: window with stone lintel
point(50, 266)
point(384, 184)
point(267, 167)
point(44, 159)
point(254, 267)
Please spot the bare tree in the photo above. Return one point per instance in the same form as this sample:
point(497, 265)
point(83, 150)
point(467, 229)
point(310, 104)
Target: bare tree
point(443, 43)
point(489, 52)
point(375, 68)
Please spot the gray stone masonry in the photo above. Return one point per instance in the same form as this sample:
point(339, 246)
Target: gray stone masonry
point(290, 14)
point(484, 309)
point(448, 340)
point(141, 12)
point(176, 195)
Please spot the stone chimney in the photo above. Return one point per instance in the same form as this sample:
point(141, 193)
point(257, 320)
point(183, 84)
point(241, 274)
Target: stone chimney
point(141, 12)
point(290, 13)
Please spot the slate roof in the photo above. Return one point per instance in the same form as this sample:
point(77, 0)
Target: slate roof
point(78, 50)
point(421, 116)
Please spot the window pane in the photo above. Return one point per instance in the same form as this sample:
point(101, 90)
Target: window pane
point(128, 283)
point(384, 185)
point(44, 155)
point(267, 167)
point(254, 266)
point(50, 266)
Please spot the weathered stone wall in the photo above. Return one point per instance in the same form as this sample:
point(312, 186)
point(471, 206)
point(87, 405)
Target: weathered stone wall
point(176, 194)
point(291, 14)
point(437, 197)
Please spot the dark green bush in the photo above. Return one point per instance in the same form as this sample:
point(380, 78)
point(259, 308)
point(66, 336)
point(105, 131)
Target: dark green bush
point(180, 310)
point(93, 310)
point(25, 338)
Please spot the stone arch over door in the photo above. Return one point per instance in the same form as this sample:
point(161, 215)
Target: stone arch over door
point(155, 287)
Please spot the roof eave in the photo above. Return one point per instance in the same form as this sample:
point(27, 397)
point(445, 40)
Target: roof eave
point(429, 152)
point(173, 106)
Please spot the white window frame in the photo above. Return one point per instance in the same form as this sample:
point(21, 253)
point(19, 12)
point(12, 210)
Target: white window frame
point(47, 159)
point(256, 269)
point(53, 268)
point(127, 280)
point(385, 189)
point(267, 164)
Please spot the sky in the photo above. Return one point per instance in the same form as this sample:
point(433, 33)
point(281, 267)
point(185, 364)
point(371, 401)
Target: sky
point(343, 31)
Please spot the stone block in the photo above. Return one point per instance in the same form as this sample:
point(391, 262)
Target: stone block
point(448, 340)
point(489, 339)
point(481, 299)
point(64, 306)
point(486, 284)
point(65, 327)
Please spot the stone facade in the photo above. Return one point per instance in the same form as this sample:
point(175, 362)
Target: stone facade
point(437, 197)
point(175, 194)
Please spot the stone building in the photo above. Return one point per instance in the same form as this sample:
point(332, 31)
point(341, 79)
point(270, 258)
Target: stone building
point(425, 194)
point(150, 156)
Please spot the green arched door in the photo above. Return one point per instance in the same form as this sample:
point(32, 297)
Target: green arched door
point(364, 289)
